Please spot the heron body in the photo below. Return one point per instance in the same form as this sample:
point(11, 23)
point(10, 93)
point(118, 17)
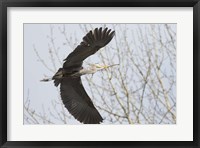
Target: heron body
point(73, 94)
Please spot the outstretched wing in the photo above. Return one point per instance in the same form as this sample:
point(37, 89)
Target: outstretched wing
point(91, 43)
point(78, 102)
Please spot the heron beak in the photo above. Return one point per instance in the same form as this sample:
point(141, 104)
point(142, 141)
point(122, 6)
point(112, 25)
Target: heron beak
point(100, 66)
point(105, 66)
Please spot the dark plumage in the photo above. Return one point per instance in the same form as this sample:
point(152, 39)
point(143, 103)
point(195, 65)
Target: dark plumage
point(72, 91)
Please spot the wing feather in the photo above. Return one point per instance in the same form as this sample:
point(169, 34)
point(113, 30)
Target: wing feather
point(107, 33)
point(90, 35)
point(99, 32)
point(87, 40)
point(104, 33)
point(90, 44)
point(96, 34)
point(78, 102)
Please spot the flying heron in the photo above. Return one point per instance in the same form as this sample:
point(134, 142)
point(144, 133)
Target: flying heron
point(73, 94)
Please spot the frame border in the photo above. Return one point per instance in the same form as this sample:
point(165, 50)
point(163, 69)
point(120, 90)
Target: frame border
point(98, 3)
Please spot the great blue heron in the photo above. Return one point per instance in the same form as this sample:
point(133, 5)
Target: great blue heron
point(73, 94)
